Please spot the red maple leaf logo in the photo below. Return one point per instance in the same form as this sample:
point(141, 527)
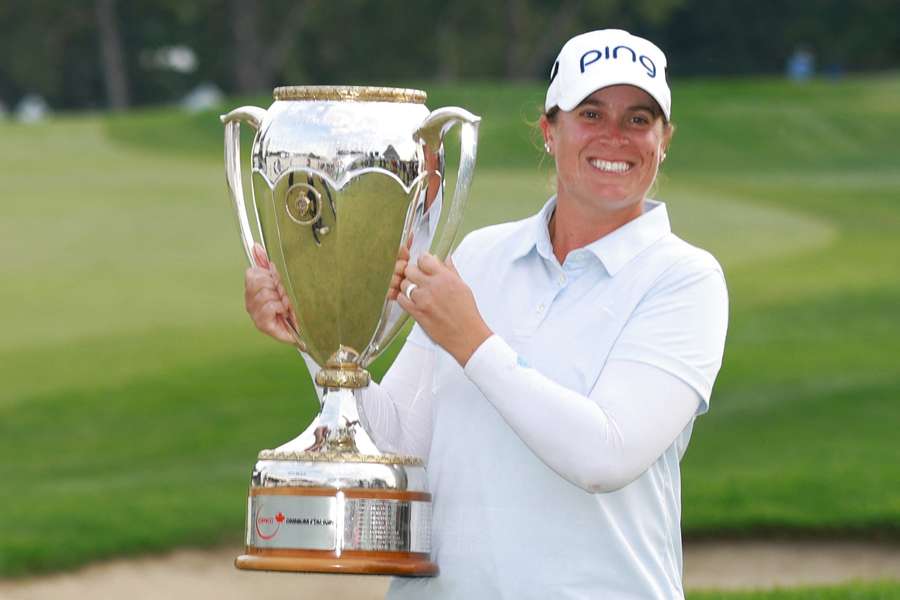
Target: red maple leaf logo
point(280, 517)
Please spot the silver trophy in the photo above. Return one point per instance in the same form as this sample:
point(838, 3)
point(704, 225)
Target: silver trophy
point(344, 179)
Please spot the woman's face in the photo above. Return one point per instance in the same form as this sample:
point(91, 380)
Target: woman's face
point(608, 149)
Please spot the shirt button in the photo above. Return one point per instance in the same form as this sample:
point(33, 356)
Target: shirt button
point(562, 280)
point(541, 308)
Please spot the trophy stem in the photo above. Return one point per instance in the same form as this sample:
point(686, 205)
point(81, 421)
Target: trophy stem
point(337, 432)
point(342, 370)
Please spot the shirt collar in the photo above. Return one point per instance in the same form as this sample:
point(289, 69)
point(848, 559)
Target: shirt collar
point(535, 233)
point(614, 250)
point(617, 248)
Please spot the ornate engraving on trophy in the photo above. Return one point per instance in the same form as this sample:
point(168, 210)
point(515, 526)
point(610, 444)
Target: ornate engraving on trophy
point(303, 203)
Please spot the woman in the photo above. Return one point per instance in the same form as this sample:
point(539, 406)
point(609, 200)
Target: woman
point(558, 363)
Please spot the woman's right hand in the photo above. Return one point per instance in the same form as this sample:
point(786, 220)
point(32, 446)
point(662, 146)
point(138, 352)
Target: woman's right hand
point(399, 269)
point(266, 301)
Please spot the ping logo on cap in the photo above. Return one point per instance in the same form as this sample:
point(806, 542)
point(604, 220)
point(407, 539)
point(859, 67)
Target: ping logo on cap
point(592, 56)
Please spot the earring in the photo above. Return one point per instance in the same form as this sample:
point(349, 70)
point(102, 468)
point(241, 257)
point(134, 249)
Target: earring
point(547, 148)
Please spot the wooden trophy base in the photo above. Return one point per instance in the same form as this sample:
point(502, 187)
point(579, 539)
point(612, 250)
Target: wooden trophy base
point(410, 564)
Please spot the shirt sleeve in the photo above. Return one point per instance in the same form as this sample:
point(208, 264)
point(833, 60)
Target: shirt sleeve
point(599, 442)
point(657, 378)
point(313, 368)
point(398, 411)
point(680, 326)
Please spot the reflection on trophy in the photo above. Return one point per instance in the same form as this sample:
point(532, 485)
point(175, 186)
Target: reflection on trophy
point(344, 179)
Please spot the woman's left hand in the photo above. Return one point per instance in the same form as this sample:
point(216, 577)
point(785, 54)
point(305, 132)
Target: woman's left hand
point(444, 306)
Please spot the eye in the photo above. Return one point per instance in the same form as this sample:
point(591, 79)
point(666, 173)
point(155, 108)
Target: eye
point(590, 114)
point(640, 120)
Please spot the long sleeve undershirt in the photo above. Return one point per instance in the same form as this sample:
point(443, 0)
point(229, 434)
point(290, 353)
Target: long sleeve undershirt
point(600, 442)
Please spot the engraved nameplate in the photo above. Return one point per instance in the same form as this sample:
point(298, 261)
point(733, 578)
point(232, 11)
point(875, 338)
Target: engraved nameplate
point(301, 522)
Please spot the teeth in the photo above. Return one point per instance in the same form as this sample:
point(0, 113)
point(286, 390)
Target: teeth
point(613, 167)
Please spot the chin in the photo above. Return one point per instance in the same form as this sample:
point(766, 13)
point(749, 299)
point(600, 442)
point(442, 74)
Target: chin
point(614, 198)
point(620, 203)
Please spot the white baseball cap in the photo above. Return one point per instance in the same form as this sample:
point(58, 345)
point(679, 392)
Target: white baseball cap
point(598, 59)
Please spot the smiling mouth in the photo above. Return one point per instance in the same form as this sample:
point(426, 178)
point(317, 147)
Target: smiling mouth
point(608, 166)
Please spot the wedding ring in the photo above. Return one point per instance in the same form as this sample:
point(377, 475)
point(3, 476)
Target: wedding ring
point(409, 291)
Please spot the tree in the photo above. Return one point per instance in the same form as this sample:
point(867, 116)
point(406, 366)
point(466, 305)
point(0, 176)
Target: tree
point(536, 29)
point(90, 53)
point(112, 56)
point(46, 48)
point(257, 63)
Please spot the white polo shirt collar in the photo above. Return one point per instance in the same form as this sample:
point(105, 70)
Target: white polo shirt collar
point(614, 250)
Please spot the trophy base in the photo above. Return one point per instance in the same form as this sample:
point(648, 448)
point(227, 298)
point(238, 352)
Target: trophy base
point(409, 564)
point(379, 530)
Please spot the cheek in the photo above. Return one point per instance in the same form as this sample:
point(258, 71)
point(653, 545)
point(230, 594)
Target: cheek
point(651, 150)
point(566, 160)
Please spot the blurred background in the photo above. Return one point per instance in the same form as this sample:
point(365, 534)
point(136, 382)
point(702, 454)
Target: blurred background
point(135, 392)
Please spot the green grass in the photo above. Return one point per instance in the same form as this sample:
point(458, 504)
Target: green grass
point(135, 393)
point(855, 591)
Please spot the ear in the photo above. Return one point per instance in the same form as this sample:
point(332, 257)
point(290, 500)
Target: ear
point(668, 132)
point(546, 130)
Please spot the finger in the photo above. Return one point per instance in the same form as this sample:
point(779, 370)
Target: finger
point(280, 289)
point(259, 254)
point(414, 274)
point(265, 297)
point(292, 319)
point(275, 323)
point(284, 321)
point(274, 272)
point(400, 266)
point(256, 278)
point(283, 332)
point(252, 290)
point(429, 264)
point(285, 337)
point(407, 305)
point(266, 294)
point(286, 304)
point(265, 317)
point(450, 265)
point(394, 288)
point(420, 296)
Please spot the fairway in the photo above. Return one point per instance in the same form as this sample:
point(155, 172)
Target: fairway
point(136, 392)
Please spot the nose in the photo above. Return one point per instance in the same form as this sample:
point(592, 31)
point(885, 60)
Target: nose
point(612, 130)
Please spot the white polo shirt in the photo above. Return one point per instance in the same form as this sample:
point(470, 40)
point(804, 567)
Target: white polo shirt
point(515, 514)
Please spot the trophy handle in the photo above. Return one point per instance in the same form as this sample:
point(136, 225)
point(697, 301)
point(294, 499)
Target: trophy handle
point(254, 117)
point(432, 132)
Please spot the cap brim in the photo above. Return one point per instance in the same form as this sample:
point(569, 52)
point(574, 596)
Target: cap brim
point(578, 96)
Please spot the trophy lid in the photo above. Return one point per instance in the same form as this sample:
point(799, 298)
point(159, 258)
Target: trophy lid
point(349, 92)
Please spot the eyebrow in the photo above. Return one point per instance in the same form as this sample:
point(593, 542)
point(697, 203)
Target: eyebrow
point(600, 103)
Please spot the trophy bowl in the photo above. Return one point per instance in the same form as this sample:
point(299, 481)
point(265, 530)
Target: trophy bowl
point(344, 179)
